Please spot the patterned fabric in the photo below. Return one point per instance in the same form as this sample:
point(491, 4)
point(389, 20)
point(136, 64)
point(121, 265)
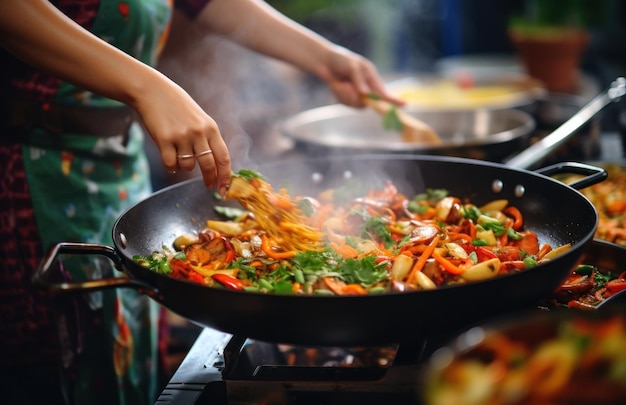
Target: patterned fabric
point(106, 342)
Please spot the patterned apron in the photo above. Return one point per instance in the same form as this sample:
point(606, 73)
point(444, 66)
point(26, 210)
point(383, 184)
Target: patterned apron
point(79, 189)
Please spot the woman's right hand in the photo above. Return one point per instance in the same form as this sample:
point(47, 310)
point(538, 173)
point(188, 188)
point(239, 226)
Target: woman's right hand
point(184, 133)
point(41, 35)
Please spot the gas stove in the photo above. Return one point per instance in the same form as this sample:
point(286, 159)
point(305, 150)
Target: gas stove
point(221, 368)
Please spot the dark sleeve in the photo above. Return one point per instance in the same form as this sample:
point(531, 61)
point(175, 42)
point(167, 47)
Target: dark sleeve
point(191, 7)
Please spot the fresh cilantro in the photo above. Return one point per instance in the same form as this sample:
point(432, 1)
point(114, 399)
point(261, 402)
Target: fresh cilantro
point(311, 261)
point(363, 271)
point(378, 226)
point(600, 279)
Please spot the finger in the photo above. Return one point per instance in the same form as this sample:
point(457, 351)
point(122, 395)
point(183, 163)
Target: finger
point(223, 165)
point(185, 158)
point(206, 162)
point(378, 87)
point(168, 158)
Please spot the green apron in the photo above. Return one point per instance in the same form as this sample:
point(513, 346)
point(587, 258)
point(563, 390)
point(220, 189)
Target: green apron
point(79, 188)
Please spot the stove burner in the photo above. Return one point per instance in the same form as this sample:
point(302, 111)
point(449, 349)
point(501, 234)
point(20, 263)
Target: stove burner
point(225, 369)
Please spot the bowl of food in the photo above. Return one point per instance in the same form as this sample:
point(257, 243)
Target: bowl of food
point(556, 357)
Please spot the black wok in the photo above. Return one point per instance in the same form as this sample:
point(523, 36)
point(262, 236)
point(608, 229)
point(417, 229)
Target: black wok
point(557, 212)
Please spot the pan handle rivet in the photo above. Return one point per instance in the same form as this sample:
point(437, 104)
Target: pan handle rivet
point(123, 240)
point(519, 191)
point(497, 186)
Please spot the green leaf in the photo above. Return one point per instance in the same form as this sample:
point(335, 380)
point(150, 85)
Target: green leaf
point(391, 120)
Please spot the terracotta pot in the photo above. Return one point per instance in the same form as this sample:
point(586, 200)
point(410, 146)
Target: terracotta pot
point(554, 59)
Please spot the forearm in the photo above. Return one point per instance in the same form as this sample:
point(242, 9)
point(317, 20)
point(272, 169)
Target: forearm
point(38, 33)
point(257, 26)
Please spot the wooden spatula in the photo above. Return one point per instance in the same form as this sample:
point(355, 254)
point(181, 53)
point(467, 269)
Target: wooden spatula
point(411, 129)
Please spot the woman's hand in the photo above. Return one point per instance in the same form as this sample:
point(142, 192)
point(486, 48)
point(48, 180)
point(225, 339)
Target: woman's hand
point(41, 35)
point(184, 133)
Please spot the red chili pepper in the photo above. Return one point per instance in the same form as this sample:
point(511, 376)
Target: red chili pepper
point(228, 281)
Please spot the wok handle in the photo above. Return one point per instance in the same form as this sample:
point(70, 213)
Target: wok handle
point(594, 174)
point(42, 277)
point(539, 150)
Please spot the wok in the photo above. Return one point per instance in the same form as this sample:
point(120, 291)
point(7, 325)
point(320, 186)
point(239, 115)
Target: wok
point(558, 213)
point(608, 258)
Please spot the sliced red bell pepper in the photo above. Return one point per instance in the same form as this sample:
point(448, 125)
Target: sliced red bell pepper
point(616, 285)
point(228, 281)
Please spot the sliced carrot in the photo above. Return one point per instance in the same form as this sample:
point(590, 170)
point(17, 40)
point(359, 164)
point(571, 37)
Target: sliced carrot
point(460, 236)
point(353, 289)
point(545, 249)
point(345, 250)
point(518, 219)
point(297, 287)
point(421, 261)
point(447, 264)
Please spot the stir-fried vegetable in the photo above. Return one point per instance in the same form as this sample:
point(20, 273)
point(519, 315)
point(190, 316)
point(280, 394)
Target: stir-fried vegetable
point(555, 361)
point(350, 242)
point(587, 286)
point(609, 199)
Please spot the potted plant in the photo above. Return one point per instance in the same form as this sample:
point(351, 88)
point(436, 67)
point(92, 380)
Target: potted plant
point(550, 38)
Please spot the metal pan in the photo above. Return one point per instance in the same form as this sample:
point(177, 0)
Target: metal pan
point(486, 134)
point(558, 213)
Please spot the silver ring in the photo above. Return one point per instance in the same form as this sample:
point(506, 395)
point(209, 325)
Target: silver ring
point(185, 156)
point(206, 152)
